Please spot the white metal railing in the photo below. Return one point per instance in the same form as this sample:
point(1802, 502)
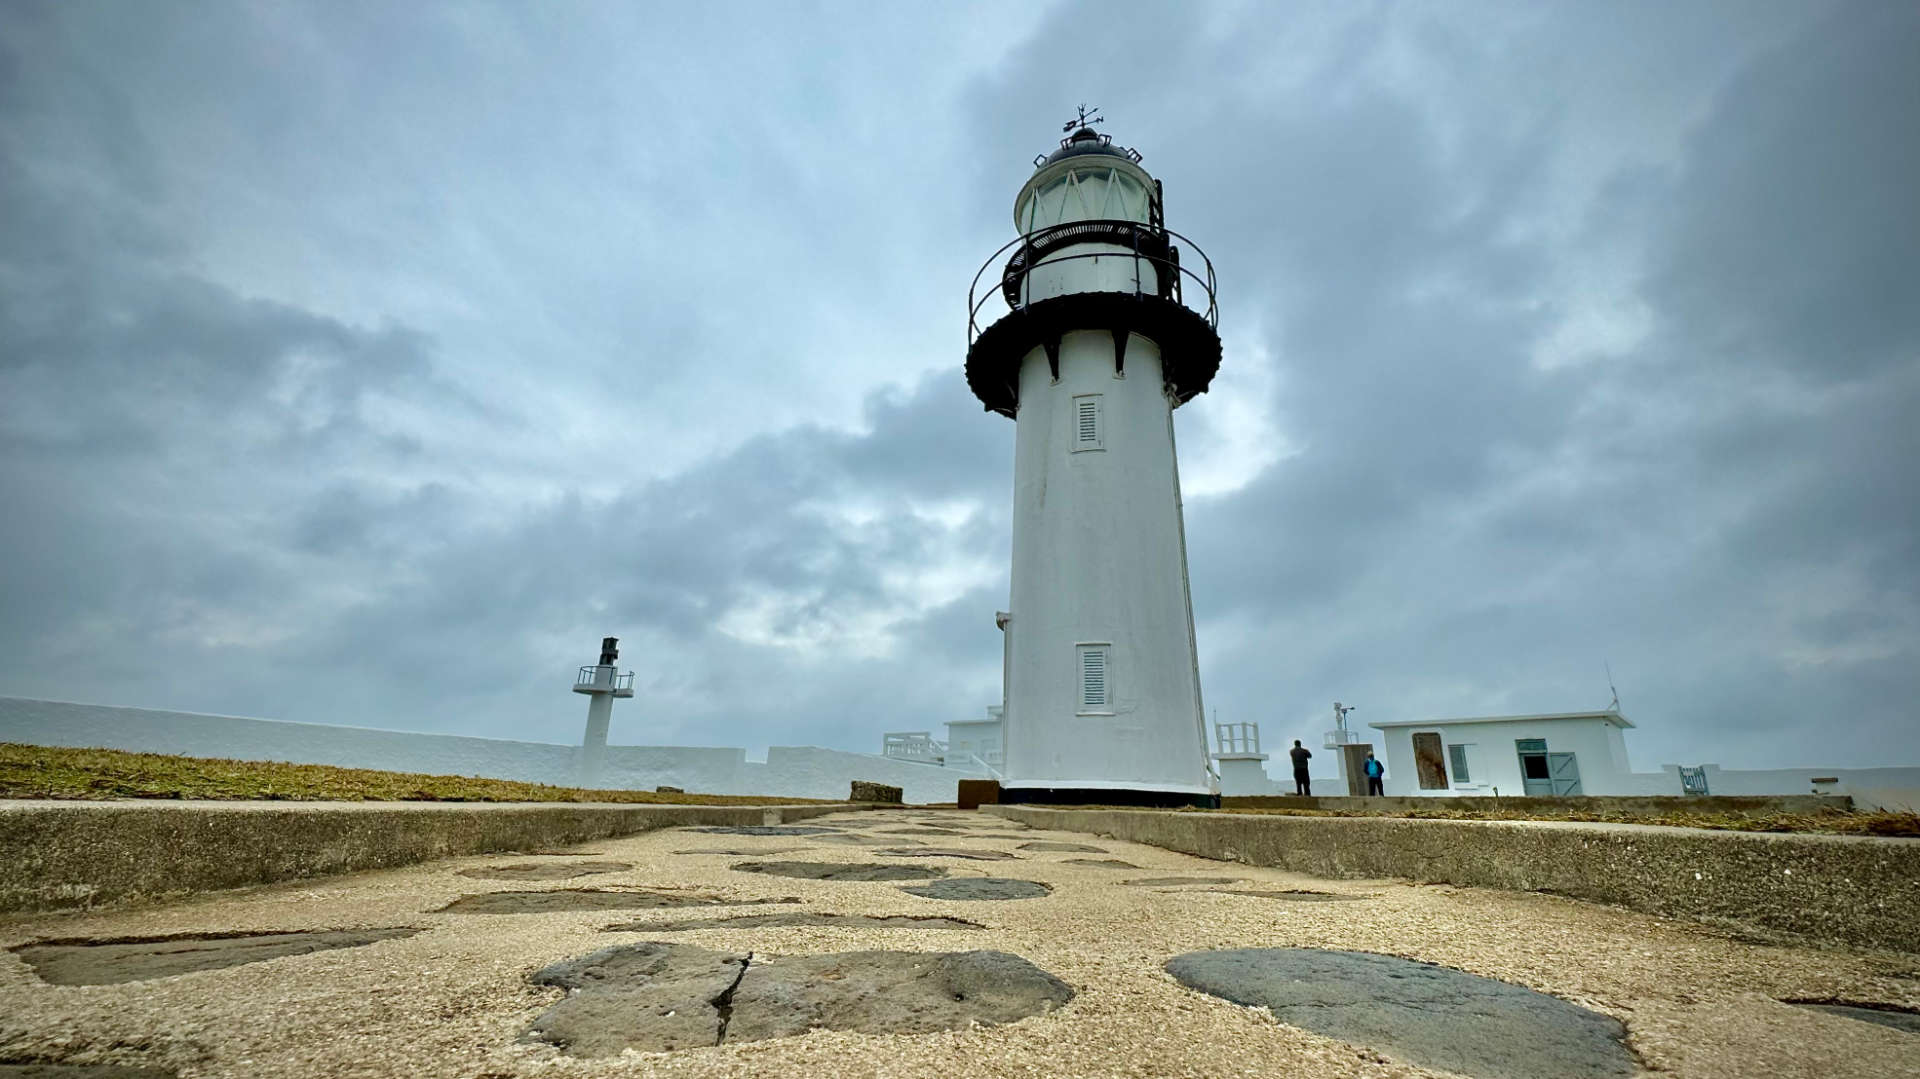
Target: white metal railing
point(613, 679)
point(1237, 737)
point(913, 746)
point(1337, 738)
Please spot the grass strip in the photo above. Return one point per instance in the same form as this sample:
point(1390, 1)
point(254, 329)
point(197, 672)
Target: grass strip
point(1825, 821)
point(99, 774)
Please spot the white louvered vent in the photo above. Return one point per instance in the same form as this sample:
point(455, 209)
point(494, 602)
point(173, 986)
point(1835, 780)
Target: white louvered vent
point(1086, 422)
point(1094, 694)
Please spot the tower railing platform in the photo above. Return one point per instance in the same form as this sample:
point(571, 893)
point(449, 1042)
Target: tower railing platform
point(1148, 244)
point(1152, 303)
point(603, 680)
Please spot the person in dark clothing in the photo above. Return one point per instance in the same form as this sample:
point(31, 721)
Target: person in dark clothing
point(1302, 783)
point(1375, 771)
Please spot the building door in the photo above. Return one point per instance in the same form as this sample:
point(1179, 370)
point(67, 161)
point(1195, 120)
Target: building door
point(1355, 763)
point(1428, 760)
point(1536, 778)
point(1565, 773)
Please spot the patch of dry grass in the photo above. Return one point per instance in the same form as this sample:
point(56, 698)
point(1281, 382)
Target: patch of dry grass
point(1827, 821)
point(54, 772)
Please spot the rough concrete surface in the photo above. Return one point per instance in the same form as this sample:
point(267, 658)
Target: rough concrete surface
point(58, 855)
point(947, 852)
point(767, 829)
point(81, 1072)
point(1296, 895)
point(64, 962)
point(1858, 890)
point(1428, 1014)
point(659, 997)
point(794, 918)
point(543, 870)
point(860, 871)
point(584, 899)
point(454, 1001)
point(863, 791)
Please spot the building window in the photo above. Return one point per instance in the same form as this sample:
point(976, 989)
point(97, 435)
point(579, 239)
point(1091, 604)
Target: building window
point(1095, 678)
point(1457, 756)
point(1086, 422)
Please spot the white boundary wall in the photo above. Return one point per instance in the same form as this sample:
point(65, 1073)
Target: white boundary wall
point(789, 771)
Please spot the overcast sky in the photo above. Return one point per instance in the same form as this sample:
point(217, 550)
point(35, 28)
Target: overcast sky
point(366, 363)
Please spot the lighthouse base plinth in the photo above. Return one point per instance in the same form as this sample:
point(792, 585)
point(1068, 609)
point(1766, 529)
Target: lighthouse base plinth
point(1106, 796)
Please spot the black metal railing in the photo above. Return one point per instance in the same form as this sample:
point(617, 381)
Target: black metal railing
point(1144, 243)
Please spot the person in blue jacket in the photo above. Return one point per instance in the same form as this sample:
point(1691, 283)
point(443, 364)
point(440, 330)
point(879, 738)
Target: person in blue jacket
point(1375, 771)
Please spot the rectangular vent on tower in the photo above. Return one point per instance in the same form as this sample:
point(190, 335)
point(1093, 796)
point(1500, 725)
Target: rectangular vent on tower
point(1095, 680)
point(1086, 422)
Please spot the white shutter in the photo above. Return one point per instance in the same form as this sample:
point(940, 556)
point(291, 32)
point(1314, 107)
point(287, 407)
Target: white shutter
point(1093, 677)
point(1086, 422)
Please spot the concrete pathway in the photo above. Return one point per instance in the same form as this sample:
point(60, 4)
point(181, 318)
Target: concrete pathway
point(456, 999)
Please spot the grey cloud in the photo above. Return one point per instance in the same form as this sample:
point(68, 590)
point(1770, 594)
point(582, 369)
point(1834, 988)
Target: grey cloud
point(367, 365)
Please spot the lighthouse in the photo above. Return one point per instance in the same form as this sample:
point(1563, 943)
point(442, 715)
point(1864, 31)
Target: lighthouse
point(1087, 330)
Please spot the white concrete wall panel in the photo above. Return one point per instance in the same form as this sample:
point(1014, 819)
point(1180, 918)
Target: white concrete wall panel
point(1098, 557)
point(790, 771)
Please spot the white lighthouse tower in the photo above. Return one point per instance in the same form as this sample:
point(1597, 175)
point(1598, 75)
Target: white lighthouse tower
point(1104, 334)
point(601, 683)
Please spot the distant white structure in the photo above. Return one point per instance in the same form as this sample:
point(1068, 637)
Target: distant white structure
point(972, 745)
point(978, 744)
point(1096, 349)
point(1238, 759)
point(1573, 753)
point(1558, 753)
point(601, 683)
point(788, 771)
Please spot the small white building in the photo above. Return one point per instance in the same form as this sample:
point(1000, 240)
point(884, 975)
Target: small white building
point(1557, 753)
point(976, 743)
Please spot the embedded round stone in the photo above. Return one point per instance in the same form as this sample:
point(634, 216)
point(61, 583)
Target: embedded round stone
point(1063, 848)
point(1429, 1015)
point(574, 900)
point(855, 840)
point(111, 962)
point(920, 831)
point(544, 870)
point(948, 852)
point(799, 918)
point(981, 888)
point(842, 870)
point(1100, 863)
point(764, 829)
point(658, 997)
point(1294, 895)
point(741, 852)
point(1896, 1018)
point(1168, 882)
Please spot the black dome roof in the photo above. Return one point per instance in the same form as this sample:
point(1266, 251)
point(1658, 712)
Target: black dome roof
point(1083, 143)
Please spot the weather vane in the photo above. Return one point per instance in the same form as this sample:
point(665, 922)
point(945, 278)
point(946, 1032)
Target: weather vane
point(1084, 120)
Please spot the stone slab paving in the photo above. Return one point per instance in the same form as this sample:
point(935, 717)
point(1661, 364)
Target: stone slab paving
point(457, 999)
point(659, 997)
point(1421, 1012)
point(112, 962)
point(1886, 1017)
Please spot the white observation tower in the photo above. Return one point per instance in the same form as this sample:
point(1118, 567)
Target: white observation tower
point(601, 682)
point(1104, 334)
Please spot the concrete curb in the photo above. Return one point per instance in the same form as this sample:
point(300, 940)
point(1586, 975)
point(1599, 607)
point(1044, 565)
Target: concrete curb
point(1857, 890)
point(56, 855)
